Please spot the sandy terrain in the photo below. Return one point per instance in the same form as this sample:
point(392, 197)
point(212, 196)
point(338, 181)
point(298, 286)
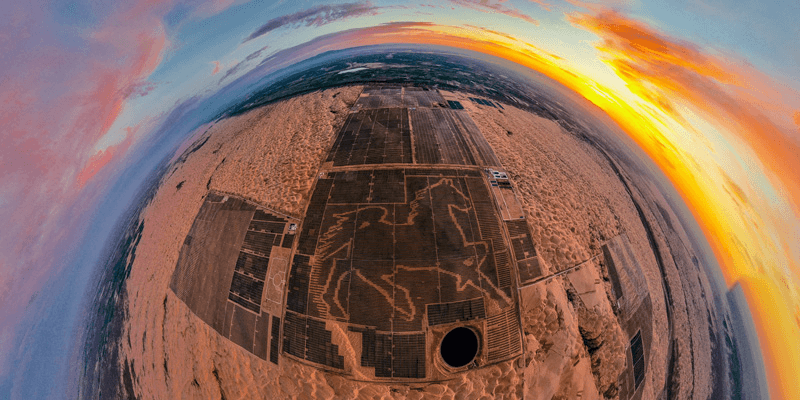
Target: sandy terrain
point(573, 200)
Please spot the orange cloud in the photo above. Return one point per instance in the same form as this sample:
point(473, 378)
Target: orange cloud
point(665, 75)
point(737, 96)
point(751, 108)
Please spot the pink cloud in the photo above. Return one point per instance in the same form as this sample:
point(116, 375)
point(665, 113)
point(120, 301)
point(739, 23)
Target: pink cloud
point(57, 99)
point(216, 67)
point(103, 157)
point(496, 6)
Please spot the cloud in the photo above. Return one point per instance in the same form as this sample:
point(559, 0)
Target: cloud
point(726, 89)
point(239, 66)
point(102, 157)
point(756, 117)
point(498, 7)
point(215, 63)
point(316, 16)
point(62, 90)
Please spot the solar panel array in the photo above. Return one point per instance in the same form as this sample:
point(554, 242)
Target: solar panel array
point(637, 355)
point(223, 267)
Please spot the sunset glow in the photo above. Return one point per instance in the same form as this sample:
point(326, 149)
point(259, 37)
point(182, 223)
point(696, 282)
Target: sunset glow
point(722, 126)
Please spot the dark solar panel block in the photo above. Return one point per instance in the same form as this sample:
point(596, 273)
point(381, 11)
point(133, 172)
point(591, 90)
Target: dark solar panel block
point(274, 344)
point(517, 228)
point(374, 233)
point(408, 356)
point(373, 136)
point(267, 226)
point(474, 139)
point(258, 242)
point(455, 105)
point(261, 342)
point(214, 197)
point(503, 268)
point(398, 356)
point(262, 215)
point(297, 297)
point(371, 289)
point(336, 295)
point(294, 335)
point(252, 265)
point(313, 218)
point(426, 147)
point(529, 270)
point(613, 274)
point(452, 224)
point(459, 279)
point(246, 292)
point(637, 356)
point(319, 348)
point(414, 223)
point(351, 187)
point(445, 313)
point(234, 204)
point(376, 351)
point(288, 241)
point(503, 335)
point(523, 247)
point(417, 284)
point(208, 211)
point(485, 211)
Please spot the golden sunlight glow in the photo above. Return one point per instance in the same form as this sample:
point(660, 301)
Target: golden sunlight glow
point(658, 113)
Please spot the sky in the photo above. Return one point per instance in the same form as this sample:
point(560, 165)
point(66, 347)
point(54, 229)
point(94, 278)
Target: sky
point(709, 90)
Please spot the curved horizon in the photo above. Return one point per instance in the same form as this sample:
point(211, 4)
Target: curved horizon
point(90, 102)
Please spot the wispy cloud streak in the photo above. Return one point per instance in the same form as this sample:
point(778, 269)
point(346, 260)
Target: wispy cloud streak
point(496, 7)
point(316, 16)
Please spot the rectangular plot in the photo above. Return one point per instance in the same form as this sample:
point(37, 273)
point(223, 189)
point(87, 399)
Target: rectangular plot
point(408, 356)
point(414, 223)
point(446, 313)
point(374, 233)
point(267, 226)
point(351, 187)
point(426, 147)
point(307, 241)
point(261, 215)
point(503, 335)
point(246, 292)
point(371, 294)
point(388, 186)
point(203, 273)
point(319, 347)
point(637, 355)
point(376, 351)
point(258, 242)
point(274, 344)
point(417, 285)
point(529, 270)
point(252, 265)
point(459, 279)
point(261, 340)
point(336, 231)
point(243, 328)
point(288, 241)
point(294, 335)
point(297, 296)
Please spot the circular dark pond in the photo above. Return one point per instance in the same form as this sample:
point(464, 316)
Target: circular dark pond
point(459, 347)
